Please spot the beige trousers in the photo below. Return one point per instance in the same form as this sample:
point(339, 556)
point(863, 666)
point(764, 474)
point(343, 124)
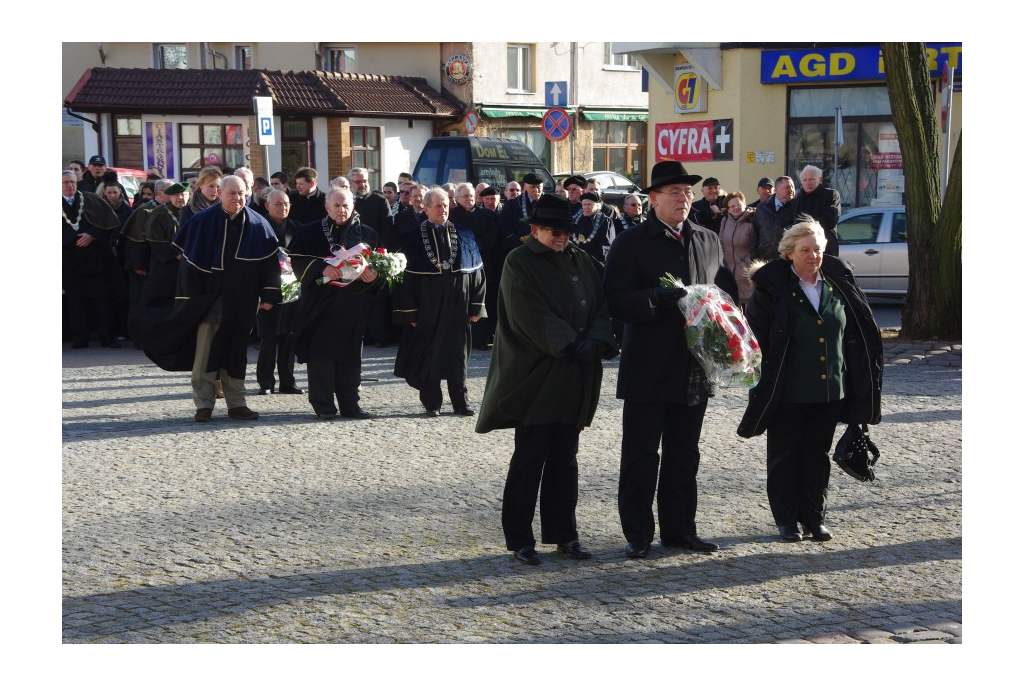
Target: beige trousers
point(204, 393)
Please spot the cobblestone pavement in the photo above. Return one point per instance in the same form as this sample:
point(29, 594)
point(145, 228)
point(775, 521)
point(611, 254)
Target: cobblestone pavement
point(291, 529)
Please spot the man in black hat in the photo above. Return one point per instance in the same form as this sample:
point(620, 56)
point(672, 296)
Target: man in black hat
point(663, 386)
point(93, 177)
point(710, 209)
point(511, 231)
point(545, 378)
point(575, 186)
point(765, 189)
point(490, 199)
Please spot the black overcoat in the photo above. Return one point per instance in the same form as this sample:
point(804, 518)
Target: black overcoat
point(655, 362)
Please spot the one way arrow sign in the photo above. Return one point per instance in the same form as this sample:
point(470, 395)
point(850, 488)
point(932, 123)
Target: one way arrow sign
point(556, 93)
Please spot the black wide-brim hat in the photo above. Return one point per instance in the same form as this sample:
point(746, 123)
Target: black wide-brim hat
point(551, 211)
point(669, 172)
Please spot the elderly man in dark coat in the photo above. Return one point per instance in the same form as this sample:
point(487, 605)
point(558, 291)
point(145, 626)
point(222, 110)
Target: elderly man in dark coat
point(772, 218)
point(331, 317)
point(229, 257)
point(277, 345)
point(544, 380)
point(87, 264)
point(441, 295)
point(822, 204)
point(664, 389)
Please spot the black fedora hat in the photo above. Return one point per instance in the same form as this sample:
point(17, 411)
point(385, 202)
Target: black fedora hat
point(669, 172)
point(551, 211)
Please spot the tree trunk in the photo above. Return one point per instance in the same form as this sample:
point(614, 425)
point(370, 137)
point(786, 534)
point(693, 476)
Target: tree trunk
point(934, 294)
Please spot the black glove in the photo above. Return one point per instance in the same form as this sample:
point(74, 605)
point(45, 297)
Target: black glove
point(586, 350)
point(669, 296)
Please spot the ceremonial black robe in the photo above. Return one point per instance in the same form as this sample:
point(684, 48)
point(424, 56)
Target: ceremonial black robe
point(228, 266)
point(439, 298)
point(161, 285)
point(329, 319)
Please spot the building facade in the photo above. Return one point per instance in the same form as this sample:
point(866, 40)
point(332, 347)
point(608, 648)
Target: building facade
point(743, 111)
point(338, 105)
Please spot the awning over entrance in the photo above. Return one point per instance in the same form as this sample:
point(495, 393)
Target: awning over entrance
point(503, 113)
point(611, 115)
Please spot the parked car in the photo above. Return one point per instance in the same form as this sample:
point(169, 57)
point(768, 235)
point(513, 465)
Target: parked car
point(131, 179)
point(494, 161)
point(873, 243)
point(614, 187)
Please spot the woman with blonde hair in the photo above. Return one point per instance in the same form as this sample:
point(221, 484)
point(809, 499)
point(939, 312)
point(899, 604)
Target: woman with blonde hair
point(822, 365)
point(205, 194)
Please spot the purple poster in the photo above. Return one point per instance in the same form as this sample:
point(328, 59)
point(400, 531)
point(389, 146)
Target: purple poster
point(160, 147)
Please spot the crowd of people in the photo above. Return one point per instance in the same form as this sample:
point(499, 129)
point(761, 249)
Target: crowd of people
point(552, 283)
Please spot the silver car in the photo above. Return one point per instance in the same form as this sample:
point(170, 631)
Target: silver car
point(873, 243)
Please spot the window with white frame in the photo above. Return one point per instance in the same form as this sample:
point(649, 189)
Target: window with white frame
point(619, 61)
point(520, 68)
point(170, 55)
point(243, 57)
point(340, 59)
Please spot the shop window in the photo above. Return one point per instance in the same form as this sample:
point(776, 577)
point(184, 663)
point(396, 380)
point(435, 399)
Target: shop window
point(520, 68)
point(170, 56)
point(243, 57)
point(340, 59)
point(618, 61)
point(620, 146)
point(220, 145)
point(366, 152)
point(870, 166)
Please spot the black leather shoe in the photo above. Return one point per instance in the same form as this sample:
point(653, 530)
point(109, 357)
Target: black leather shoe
point(528, 555)
point(465, 411)
point(265, 391)
point(433, 412)
point(357, 413)
point(638, 549)
point(291, 391)
point(789, 533)
point(327, 415)
point(575, 550)
point(818, 532)
point(693, 543)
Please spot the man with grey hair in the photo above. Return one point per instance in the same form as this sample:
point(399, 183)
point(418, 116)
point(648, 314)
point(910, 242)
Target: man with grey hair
point(819, 203)
point(229, 270)
point(274, 326)
point(441, 295)
point(484, 225)
point(374, 210)
point(245, 174)
point(332, 315)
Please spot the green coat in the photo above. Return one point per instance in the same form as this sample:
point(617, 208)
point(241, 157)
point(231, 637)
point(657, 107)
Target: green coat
point(546, 301)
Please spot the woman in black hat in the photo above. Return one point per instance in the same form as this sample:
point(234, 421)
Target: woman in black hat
point(544, 379)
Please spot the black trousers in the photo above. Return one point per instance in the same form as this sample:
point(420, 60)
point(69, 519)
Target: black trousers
point(799, 442)
point(327, 380)
point(279, 349)
point(431, 397)
point(85, 313)
point(676, 427)
point(544, 459)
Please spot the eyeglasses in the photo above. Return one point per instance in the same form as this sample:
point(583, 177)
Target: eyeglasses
point(555, 232)
point(404, 192)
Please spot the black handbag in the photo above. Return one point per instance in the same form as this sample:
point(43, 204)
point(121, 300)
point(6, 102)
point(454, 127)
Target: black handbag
point(856, 454)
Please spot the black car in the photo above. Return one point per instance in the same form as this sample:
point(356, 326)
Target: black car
point(614, 187)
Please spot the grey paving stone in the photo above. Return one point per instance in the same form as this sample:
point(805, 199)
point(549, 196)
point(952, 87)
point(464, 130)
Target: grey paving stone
point(388, 531)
